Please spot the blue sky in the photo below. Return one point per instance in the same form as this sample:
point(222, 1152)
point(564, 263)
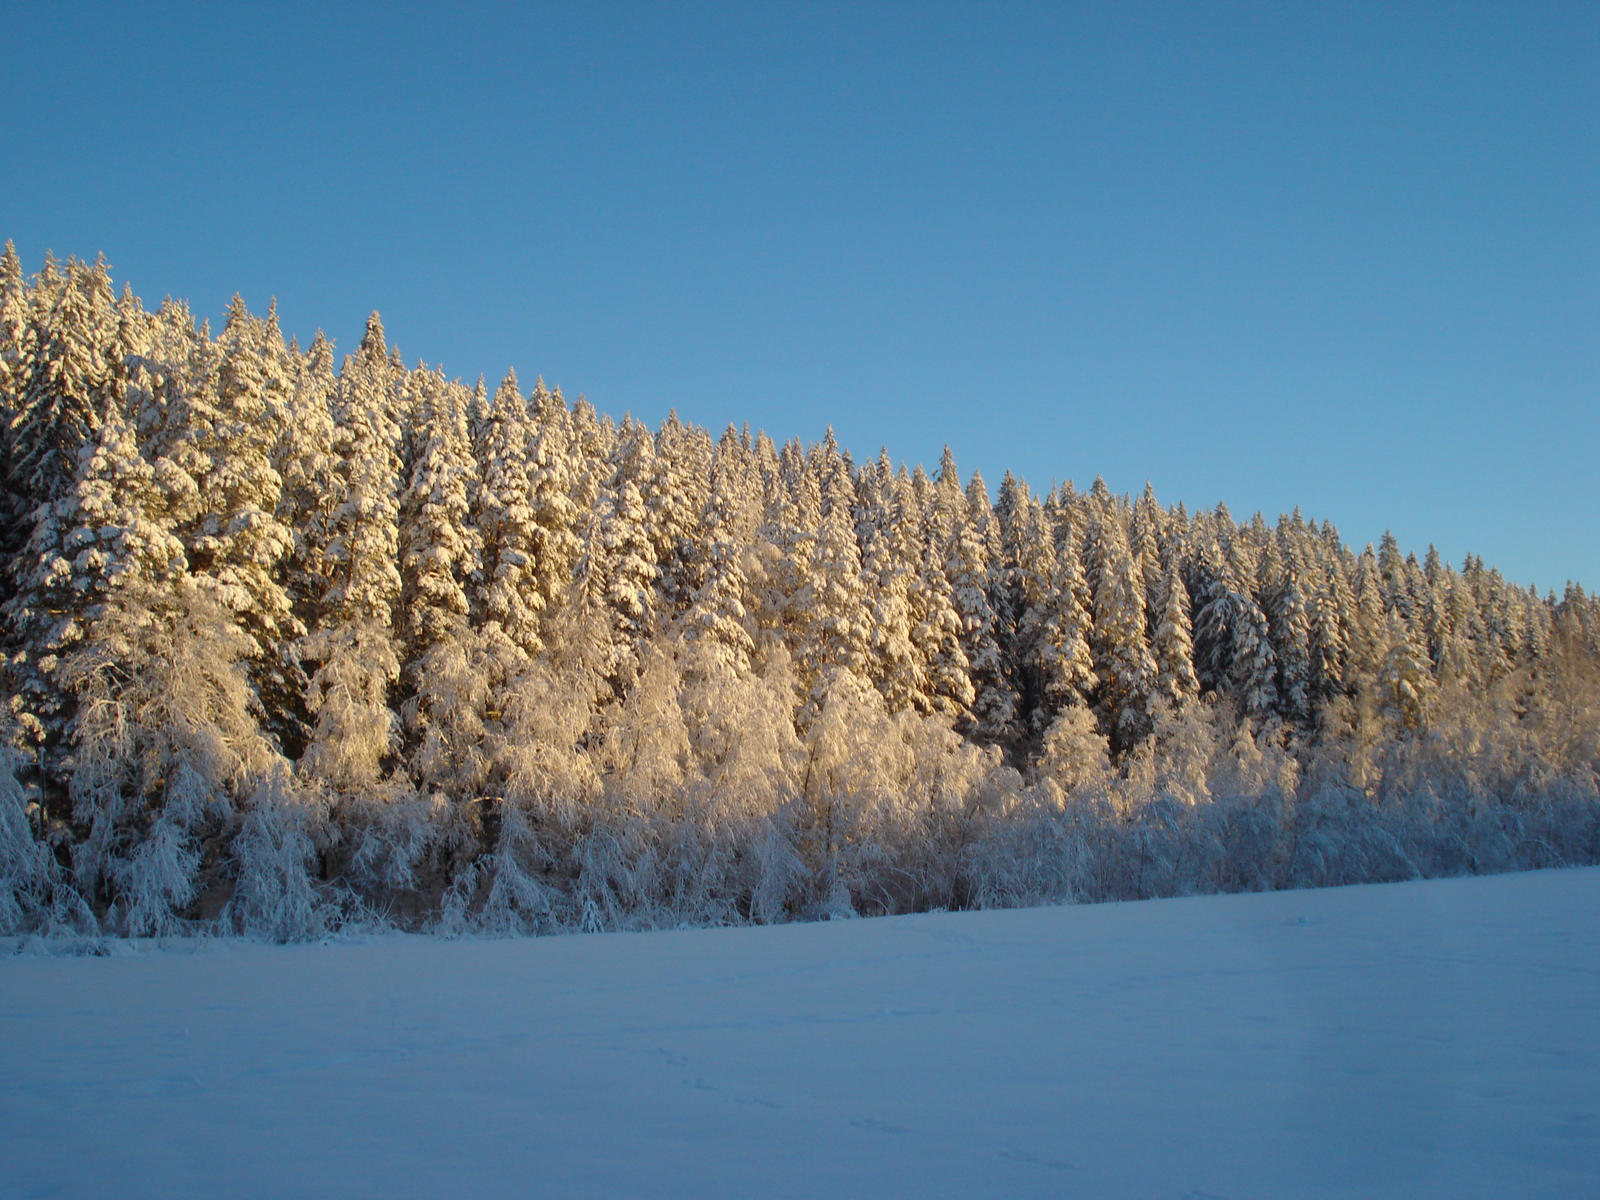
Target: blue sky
point(1345, 257)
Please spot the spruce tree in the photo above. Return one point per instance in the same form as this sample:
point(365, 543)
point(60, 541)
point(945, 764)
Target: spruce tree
point(1066, 658)
point(508, 597)
point(889, 571)
point(1121, 650)
point(1290, 631)
point(718, 621)
point(73, 375)
point(443, 668)
point(1172, 644)
point(836, 632)
point(440, 546)
point(352, 645)
point(973, 564)
point(554, 476)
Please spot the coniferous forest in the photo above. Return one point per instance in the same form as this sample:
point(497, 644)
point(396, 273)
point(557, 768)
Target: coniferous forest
point(294, 641)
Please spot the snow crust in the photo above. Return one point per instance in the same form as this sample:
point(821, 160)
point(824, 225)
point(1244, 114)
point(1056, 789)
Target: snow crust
point(1420, 1039)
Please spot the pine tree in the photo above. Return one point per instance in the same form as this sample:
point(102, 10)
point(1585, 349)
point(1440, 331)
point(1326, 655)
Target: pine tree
point(968, 555)
point(1290, 632)
point(73, 376)
point(1066, 659)
point(784, 548)
point(629, 542)
point(555, 481)
point(109, 527)
point(889, 571)
point(718, 621)
point(675, 491)
point(230, 425)
point(13, 318)
point(1030, 555)
point(306, 459)
point(440, 544)
point(443, 665)
point(1255, 662)
point(1172, 644)
point(1458, 658)
point(64, 378)
point(1404, 681)
point(1233, 643)
point(837, 629)
point(509, 599)
point(16, 363)
point(1330, 616)
point(164, 741)
point(830, 467)
point(1121, 651)
point(937, 632)
point(352, 644)
point(1144, 542)
point(1393, 577)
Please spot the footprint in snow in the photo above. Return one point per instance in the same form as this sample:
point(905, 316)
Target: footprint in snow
point(1035, 1160)
point(879, 1126)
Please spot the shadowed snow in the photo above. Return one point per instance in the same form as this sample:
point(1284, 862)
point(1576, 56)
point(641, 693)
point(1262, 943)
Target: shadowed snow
point(1420, 1039)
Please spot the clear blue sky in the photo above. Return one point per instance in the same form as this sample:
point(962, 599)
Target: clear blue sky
point(1339, 256)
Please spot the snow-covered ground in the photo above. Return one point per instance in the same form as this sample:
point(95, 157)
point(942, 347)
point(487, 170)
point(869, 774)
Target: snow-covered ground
point(1426, 1039)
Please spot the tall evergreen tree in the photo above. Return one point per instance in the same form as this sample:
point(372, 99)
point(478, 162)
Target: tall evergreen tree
point(352, 646)
point(837, 630)
point(555, 476)
point(509, 599)
point(1290, 631)
point(1172, 644)
point(970, 555)
point(1122, 654)
point(440, 545)
point(1066, 658)
point(73, 375)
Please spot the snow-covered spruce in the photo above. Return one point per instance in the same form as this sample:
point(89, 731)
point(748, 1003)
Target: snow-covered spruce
point(285, 643)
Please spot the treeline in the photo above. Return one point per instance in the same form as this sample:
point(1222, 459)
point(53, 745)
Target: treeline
point(291, 643)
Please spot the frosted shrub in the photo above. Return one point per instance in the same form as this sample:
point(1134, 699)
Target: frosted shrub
point(163, 740)
point(273, 893)
point(391, 830)
point(28, 873)
point(1036, 853)
point(705, 863)
point(781, 875)
point(605, 884)
point(510, 881)
point(157, 879)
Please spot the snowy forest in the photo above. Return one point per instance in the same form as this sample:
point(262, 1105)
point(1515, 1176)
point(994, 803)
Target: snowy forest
point(293, 643)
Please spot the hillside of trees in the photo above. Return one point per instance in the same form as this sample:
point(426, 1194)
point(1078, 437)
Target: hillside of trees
point(292, 642)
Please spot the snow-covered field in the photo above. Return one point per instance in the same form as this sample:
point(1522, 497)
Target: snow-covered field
point(1426, 1039)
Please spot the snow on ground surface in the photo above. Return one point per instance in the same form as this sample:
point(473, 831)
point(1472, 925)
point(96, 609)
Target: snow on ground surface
point(1423, 1039)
